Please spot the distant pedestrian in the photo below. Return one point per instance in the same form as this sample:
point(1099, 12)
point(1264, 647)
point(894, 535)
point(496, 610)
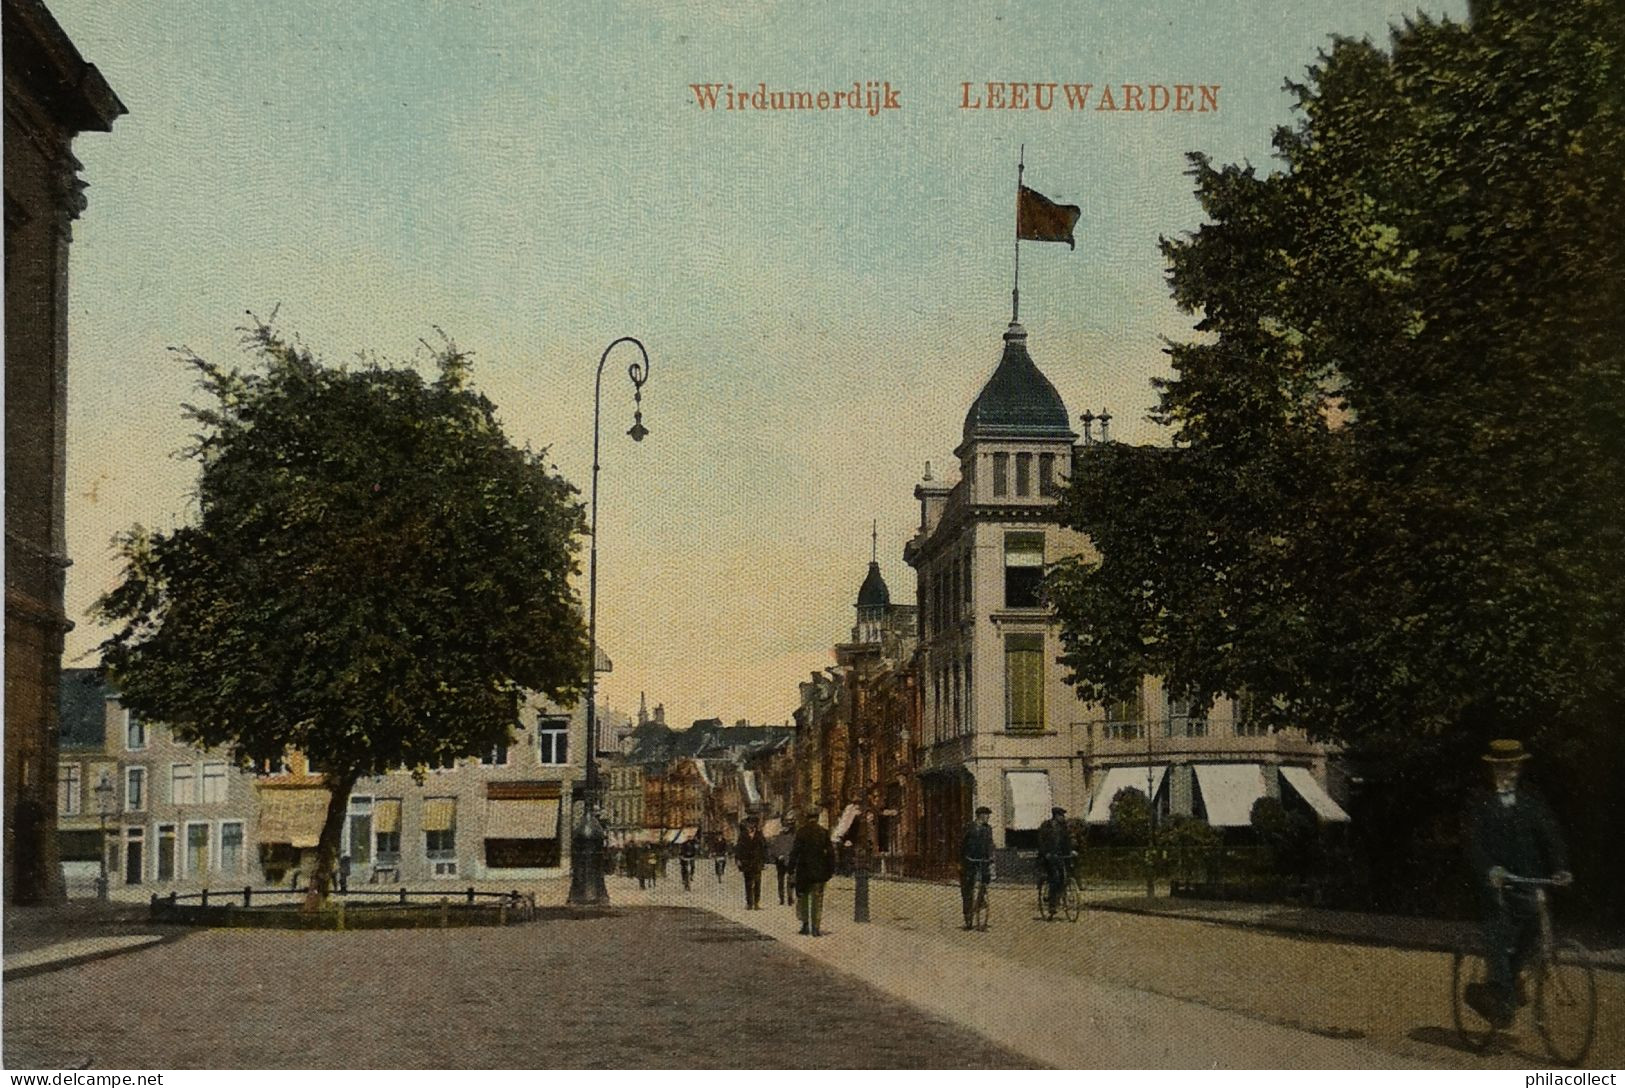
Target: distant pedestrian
point(688, 855)
point(751, 856)
point(721, 860)
point(634, 861)
point(344, 873)
point(813, 858)
point(781, 866)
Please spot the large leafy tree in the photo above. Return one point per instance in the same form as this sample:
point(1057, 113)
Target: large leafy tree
point(1393, 507)
point(374, 576)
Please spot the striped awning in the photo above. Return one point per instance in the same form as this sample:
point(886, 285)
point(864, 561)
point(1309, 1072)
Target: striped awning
point(386, 816)
point(536, 819)
point(293, 817)
point(440, 814)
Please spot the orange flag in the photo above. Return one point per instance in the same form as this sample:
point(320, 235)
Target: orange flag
point(1040, 219)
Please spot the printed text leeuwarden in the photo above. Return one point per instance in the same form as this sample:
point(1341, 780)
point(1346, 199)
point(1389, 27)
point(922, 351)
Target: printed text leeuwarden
point(1108, 97)
point(868, 97)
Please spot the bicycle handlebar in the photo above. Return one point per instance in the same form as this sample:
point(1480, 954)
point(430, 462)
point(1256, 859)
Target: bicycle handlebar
point(1534, 881)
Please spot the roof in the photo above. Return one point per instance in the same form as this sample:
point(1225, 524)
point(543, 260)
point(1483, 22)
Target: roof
point(873, 593)
point(1017, 401)
point(82, 706)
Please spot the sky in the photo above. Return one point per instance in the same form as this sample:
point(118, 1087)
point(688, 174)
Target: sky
point(822, 293)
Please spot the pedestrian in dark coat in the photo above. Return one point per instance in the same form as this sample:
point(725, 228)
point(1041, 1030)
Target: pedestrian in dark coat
point(751, 856)
point(1510, 833)
point(812, 858)
point(975, 860)
point(1055, 854)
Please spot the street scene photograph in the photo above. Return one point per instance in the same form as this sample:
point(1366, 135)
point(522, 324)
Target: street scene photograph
point(672, 536)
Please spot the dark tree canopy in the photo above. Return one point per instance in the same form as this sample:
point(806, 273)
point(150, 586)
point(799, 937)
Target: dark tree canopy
point(1393, 509)
point(374, 576)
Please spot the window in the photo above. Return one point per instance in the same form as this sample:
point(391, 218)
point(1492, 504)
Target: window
point(69, 789)
point(1185, 718)
point(231, 847)
point(970, 705)
point(214, 783)
point(180, 784)
point(1248, 721)
point(958, 719)
point(197, 849)
point(387, 831)
point(166, 851)
point(1024, 473)
point(441, 843)
point(1125, 717)
point(1023, 569)
point(553, 740)
point(497, 756)
point(135, 732)
point(1046, 474)
point(967, 580)
point(1001, 474)
point(1024, 683)
point(135, 789)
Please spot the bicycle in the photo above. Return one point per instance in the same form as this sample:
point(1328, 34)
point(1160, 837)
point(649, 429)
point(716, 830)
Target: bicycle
point(1070, 899)
point(979, 904)
point(1565, 987)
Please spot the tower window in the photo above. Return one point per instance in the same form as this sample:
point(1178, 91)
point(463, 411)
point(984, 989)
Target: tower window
point(1023, 569)
point(1024, 474)
point(1046, 474)
point(1001, 474)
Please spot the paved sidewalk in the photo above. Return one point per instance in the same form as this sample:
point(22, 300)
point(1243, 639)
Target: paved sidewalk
point(1014, 1005)
point(46, 938)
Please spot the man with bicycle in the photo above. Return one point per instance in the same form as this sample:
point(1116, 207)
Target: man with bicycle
point(1511, 834)
point(1055, 855)
point(975, 862)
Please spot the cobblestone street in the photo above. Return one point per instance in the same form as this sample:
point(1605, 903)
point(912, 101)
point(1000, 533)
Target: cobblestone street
point(655, 987)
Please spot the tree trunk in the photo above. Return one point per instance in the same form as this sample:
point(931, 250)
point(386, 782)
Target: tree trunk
point(327, 847)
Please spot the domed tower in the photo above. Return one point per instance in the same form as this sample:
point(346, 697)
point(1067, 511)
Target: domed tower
point(874, 600)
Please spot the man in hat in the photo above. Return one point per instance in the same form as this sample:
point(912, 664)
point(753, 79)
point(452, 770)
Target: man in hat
point(812, 859)
point(1055, 854)
point(1511, 833)
point(975, 861)
point(751, 856)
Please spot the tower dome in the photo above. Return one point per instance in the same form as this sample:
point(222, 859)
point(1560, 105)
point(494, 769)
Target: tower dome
point(1017, 401)
point(873, 593)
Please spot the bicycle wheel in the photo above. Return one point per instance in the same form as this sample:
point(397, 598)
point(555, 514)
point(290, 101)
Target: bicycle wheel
point(1043, 897)
point(1072, 899)
point(979, 916)
point(1466, 968)
point(1566, 1003)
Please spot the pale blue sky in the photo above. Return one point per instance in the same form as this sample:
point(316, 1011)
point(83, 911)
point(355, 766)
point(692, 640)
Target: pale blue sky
point(822, 294)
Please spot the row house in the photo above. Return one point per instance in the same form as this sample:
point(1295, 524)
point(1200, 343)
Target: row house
point(173, 812)
point(177, 814)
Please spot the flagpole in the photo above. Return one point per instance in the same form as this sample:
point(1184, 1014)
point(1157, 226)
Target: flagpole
point(1015, 290)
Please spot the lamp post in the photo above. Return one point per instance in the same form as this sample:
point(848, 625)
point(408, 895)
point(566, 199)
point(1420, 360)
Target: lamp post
point(587, 842)
point(1150, 815)
point(104, 804)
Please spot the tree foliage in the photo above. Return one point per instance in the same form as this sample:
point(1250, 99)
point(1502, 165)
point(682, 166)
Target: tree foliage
point(374, 575)
point(1393, 508)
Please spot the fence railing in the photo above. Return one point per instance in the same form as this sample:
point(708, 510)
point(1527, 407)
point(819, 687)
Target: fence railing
point(509, 906)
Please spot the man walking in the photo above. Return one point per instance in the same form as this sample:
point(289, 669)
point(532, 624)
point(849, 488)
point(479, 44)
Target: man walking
point(1512, 833)
point(812, 858)
point(751, 856)
point(688, 856)
point(975, 861)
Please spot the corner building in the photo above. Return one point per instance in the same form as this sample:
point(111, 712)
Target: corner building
point(999, 724)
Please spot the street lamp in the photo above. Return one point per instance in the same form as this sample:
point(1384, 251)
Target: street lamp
point(587, 844)
point(104, 805)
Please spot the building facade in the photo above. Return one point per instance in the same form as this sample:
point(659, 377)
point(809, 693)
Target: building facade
point(51, 95)
point(999, 724)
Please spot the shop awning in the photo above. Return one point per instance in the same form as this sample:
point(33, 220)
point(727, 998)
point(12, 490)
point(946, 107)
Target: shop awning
point(1228, 792)
point(292, 816)
point(1304, 785)
point(1119, 779)
point(1029, 799)
point(536, 819)
point(842, 826)
point(687, 834)
point(440, 814)
point(753, 796)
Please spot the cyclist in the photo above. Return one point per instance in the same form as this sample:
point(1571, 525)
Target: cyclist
point(1511, 833)
point(975, 861)
point(1055, 855)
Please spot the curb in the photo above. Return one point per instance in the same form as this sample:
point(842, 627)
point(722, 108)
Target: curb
point(45, 967)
